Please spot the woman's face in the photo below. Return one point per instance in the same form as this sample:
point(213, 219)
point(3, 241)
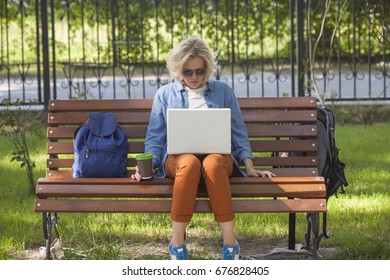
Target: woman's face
point(193, 72)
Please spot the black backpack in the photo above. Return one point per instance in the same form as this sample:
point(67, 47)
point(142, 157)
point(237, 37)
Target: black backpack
point(329, 164)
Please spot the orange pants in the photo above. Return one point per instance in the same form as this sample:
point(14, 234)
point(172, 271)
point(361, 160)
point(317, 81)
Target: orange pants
point(187, 170)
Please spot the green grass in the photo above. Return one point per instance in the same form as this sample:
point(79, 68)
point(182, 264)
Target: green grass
point(358, 220)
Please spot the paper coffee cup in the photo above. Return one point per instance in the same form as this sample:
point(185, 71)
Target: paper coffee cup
point(144, 162)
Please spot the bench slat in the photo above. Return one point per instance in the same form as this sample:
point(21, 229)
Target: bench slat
point(164, 206)
point(141, 117)
point(100, 105)
point(286, 161)
point(68, 162)
point(279, 116)
point(67, 132)
point(256, 130)
point(146, 104)
point(256, 145)
point(164, 181)
point(70, 118)
point(257, 103)
point(136, 190)
point(53, 148)
point(284, 145)
point(260, 161)
point(280, 172)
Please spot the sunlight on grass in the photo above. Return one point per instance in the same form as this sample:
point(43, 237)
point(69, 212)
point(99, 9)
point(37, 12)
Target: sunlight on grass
point(367, 203)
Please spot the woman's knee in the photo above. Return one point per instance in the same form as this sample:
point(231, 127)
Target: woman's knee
point(217, 163)
point(188, 162)
point(180, 164)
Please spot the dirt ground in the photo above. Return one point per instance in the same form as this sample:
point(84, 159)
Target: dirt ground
point(250, 250)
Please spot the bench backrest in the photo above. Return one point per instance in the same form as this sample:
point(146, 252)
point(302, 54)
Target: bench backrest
point(275, 125)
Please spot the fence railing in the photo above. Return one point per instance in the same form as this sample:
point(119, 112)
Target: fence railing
point(116, 49)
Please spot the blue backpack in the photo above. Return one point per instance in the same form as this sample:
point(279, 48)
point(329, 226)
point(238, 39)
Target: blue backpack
point(100, 148)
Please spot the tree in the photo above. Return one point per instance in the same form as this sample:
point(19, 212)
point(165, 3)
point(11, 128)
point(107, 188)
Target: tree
point(312, 49)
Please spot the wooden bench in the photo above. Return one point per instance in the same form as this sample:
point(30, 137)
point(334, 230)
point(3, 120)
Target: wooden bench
point(275, 125)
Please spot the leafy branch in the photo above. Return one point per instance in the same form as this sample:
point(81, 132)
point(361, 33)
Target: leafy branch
point(379, 23)
point(16, 124)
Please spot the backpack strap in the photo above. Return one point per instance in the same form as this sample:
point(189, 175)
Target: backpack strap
point(324, 233)
point(329, 133)
point(76, 131)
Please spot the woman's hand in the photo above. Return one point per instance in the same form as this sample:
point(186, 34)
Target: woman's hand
point(137, 176)
point(258, 173)
point(252, 172)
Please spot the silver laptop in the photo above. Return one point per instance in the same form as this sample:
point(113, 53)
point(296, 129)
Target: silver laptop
point(199, 131)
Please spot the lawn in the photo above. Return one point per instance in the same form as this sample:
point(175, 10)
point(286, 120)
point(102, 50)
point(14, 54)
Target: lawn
point(359, 220)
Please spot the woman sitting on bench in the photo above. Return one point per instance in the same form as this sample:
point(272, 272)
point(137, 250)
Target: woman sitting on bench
point(191, 64)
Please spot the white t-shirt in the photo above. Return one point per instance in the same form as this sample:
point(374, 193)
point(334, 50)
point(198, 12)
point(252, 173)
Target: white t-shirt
point(196, 98)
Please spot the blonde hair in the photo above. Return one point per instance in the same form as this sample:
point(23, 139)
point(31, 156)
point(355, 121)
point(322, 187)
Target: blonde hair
point(189, 48)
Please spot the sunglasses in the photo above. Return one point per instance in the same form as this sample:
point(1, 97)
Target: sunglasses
point(189, 72)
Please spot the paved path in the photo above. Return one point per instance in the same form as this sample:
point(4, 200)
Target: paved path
point(349, 88)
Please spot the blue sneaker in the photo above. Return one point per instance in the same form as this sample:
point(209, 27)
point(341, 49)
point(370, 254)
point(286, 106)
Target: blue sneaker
point(230, 252)
point(178, 253)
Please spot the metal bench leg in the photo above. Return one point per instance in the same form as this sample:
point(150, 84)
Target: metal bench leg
point(315, 226)
point(49, 221)
point(313, 231)
point(291, 231)
point(46, 219)
point(308, 232)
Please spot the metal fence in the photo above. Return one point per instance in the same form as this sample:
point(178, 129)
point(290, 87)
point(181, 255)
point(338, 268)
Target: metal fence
point(116, 49)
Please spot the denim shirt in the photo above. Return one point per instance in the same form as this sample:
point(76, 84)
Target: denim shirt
point(173, 95)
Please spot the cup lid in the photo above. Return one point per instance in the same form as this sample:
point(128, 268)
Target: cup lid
point(144, 156)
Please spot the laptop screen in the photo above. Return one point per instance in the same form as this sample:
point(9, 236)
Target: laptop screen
point(199, 131)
